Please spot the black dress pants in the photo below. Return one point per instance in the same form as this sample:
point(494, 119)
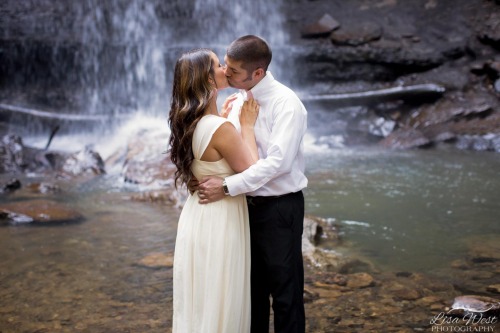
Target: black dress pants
point(277, 270)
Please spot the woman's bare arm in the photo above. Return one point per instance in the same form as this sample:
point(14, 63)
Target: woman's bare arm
point(248, 116)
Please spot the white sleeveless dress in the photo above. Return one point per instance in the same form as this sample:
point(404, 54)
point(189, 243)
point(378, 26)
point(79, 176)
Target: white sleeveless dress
point(212, 253)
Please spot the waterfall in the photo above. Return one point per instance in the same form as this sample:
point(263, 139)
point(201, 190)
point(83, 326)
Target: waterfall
point(223, 22)
point(112, 59)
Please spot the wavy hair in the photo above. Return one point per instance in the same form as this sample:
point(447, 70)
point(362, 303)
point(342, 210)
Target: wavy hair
point(191, 95)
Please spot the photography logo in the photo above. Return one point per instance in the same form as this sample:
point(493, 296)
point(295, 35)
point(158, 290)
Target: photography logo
point(467, 315)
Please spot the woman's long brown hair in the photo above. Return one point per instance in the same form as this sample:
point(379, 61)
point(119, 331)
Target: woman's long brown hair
point(191, 95)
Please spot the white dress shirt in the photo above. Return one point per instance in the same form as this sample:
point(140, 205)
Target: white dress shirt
point(234, 114)
point(279, 132)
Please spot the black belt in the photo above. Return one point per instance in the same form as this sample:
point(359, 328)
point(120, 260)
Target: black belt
point(260, 200)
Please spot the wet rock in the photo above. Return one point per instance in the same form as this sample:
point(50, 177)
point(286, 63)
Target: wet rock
point(355, 265)
point(440, 132)
point(431, 300)
point(157, 260)
point(492, 69)
point(450, 108)
point(371, 309)
point(8, 217)
point(39, 212)
point(12, 157)
point(422, 51)
point(404, 290)
point(317, 230)
point(460, 264)
point(475, 303)
point(475, 281)
point(15, 157)
point(494, 288)
point(46, 160)
point(308, 236)
point(86, 161)
point(353, 324)
point(384, 310)
point(11, 186)
point(405, 139)
point(44, 188)
point(322, 28)
point(490, 31)
point(309, 294)
point(414, 40)
point(478, 68)
point(425, 283)
point(479, 270)
point(361, 33)
point(483, 124)
point(468, 119)
point(331, 278)
point(381, 126)
point(330, 260)
point(495, 143)
point(481, 144)
point(478, 142)
point(407, 294)
point(360, 280)
point(484, 250)
point(327, 292)
point(144, 161)
point(161, 196)
point(464, 143)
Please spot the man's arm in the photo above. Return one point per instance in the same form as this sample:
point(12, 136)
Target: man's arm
point(283, 148)
point(211, 189)
point(286, 138)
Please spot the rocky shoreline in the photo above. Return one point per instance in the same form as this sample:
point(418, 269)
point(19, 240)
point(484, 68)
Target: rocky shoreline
point(344, 293)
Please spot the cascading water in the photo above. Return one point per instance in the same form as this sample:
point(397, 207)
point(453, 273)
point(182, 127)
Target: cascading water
point(221, 22)
point(108, 61)
point(90, 58)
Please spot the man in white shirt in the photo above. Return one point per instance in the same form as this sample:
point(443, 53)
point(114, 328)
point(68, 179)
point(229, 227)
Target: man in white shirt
point(273, 187)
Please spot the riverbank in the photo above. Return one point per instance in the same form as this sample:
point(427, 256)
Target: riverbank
point(112, 269)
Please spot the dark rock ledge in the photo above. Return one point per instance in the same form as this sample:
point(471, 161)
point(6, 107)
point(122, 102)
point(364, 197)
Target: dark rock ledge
point(358, 47)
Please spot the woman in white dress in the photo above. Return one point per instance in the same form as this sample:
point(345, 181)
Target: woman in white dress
point(212, 249)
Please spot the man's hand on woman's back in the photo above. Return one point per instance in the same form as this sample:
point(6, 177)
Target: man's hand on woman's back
point(210, 189)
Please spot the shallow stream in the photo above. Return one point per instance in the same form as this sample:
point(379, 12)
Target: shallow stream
point(400, 210)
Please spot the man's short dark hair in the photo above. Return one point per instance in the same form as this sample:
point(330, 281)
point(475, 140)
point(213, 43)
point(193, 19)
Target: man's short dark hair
point(252, 51)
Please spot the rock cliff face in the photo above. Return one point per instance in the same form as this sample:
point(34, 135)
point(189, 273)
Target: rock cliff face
point(347, 46)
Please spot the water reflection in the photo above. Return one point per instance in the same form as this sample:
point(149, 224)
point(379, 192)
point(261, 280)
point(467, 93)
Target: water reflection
point(409, 210)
